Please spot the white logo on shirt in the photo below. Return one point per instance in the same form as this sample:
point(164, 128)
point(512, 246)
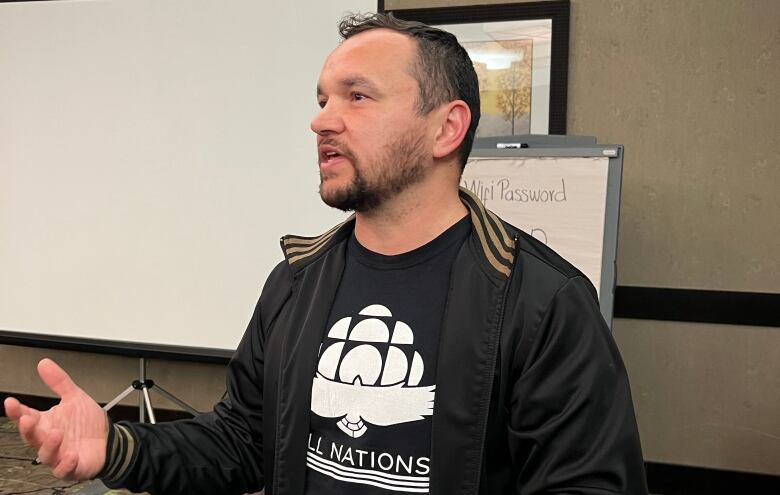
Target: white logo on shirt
point(359, 387)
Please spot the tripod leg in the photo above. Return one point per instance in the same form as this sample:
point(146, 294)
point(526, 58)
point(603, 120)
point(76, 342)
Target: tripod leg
point(148, 401)
point(176, 400)
point(141, 396)
point(118, 398)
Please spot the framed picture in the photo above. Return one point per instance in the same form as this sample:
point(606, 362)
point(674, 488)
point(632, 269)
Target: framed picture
point(520, 52)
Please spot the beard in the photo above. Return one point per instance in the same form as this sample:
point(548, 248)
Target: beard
point(400, 164)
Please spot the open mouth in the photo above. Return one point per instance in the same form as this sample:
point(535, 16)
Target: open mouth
point(329, 156)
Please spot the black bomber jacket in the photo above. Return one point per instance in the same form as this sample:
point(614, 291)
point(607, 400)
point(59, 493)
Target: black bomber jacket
point(531, 394)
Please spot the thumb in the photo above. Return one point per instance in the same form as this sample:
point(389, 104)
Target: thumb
point(56, 379)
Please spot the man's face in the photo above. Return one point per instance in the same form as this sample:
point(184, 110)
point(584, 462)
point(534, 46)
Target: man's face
point(372, 141)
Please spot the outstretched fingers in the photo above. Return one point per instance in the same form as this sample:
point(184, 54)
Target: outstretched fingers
point(15, 409)
point(66, 468)
point(49, 451)
point(56, 379)
point(30, 430)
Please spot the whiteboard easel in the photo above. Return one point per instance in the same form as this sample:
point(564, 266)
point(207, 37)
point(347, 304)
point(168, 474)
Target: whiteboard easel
point(562, 190)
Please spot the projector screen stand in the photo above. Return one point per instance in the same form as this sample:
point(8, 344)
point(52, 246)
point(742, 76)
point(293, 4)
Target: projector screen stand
point(143, 385)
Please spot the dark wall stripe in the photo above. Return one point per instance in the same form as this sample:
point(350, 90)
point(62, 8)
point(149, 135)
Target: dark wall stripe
point(669, 479)
point(700, 306)
point(643, 303)
point(116, 347)
point(120, 412)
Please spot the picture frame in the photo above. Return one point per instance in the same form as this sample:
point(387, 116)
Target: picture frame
point(520, 52)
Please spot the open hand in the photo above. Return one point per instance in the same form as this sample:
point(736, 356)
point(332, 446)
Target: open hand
point(70, 437)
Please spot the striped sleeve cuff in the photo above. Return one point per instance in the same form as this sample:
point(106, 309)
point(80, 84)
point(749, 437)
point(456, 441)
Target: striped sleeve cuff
point(120, 451)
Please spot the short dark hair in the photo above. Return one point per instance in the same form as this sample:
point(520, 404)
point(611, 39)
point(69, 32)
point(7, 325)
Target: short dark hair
point(443, 69)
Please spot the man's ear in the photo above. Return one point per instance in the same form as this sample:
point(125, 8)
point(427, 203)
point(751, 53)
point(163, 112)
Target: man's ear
point(454, 123)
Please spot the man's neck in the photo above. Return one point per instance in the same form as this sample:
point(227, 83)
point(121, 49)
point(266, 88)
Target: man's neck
point(413, 218)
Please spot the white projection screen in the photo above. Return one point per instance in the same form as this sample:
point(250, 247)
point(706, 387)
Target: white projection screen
point(152, 153)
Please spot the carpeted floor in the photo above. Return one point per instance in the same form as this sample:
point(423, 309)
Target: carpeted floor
point(18, 476)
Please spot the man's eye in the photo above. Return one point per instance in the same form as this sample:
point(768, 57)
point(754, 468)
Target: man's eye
point(358, 96)
point(322, 103)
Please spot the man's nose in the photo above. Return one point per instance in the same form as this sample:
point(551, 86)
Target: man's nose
point(328, 120)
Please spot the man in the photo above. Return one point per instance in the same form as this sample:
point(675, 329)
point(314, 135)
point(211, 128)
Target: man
point(422, 346)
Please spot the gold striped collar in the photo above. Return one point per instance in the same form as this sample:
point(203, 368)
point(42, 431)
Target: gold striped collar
point(493, 238)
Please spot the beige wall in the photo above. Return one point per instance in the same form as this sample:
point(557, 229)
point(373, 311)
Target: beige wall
point(691, 89)
point(705, 395)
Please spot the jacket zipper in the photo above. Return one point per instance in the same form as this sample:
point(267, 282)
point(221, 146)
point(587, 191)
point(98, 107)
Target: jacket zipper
point(492, 368)
point(277, 439)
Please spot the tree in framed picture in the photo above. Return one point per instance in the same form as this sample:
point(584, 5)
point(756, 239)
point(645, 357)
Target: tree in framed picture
point(520, 53)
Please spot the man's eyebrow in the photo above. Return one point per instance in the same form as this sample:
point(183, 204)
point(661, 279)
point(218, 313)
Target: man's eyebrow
point(353, 81)
point(358, 81)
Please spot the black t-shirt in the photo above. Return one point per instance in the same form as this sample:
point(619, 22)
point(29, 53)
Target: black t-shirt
point(373, 394)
